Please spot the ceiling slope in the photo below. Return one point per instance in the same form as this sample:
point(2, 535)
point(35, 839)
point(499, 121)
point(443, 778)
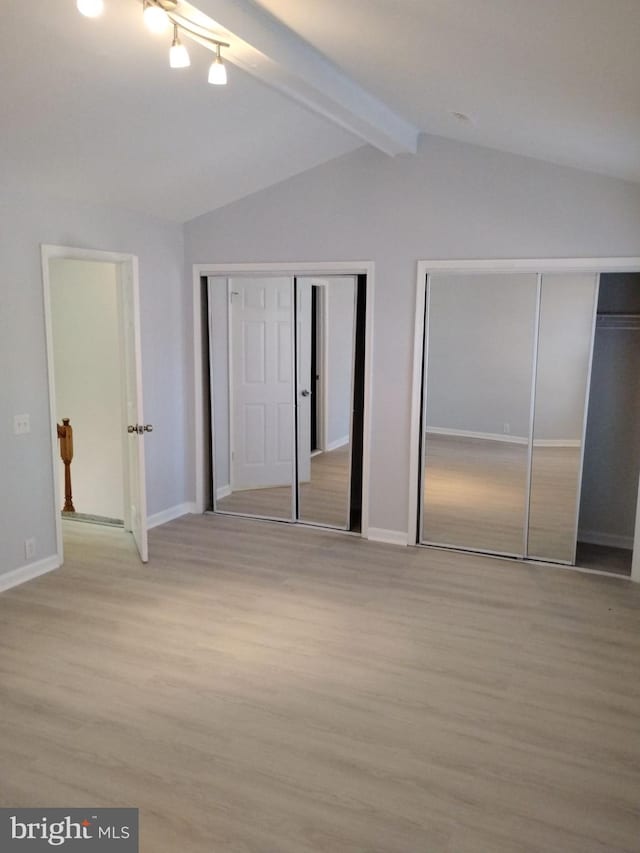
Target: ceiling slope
point(90, 111)
point(554, 80)
point(264, 47)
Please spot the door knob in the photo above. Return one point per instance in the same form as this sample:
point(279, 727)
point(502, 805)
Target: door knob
point(305, 393)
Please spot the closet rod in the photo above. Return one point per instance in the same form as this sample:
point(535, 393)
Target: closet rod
point(618, 321)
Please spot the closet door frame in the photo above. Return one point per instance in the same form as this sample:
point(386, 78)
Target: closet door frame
point(539, 266)
point(300, 269)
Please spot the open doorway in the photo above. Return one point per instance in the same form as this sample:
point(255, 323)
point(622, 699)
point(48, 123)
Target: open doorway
point(95, 390)
point(612, 444)
point(88, 390)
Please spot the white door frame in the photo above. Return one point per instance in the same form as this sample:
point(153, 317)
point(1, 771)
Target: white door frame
point(48, 253)
point(306, 269)
point(528, 265)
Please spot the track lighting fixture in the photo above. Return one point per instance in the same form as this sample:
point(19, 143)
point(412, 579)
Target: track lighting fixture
point(218, 71)
point(155, 17)
point(178, 53)
point(90, 8)
point(158, 16)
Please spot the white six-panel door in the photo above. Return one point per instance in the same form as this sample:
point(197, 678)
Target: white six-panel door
point(261, 382)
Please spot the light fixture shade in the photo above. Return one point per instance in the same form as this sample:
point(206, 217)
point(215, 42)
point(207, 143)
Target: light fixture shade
point(179, 56)
point(218, 72)
point(155, 18)
point(90, 8)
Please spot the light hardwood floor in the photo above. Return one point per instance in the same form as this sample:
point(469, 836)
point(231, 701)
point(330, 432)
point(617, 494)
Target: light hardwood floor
point(264, 688)
point(323, 500)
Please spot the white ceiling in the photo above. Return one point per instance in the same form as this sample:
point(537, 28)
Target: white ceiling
point(554, 79)
point(89, 109)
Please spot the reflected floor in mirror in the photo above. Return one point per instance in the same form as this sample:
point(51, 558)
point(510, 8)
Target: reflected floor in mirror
point(323, 500)
point(474, 493)
point(475, 496)
point(552, 517)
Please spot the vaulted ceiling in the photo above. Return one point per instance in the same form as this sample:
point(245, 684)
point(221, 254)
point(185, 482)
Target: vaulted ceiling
point(90, 110)
point(553, 79)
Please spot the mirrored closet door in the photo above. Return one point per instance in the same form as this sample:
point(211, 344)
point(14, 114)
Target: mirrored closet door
point(505, 386)
point(281, 364)
point(325, 344)
point(478, 373)
point(565, 334)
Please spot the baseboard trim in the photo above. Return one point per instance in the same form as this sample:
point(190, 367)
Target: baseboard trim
point(391, 537)
point(339, 442)
point(170, 514)
point(223, 492)
point(16, 577)
point(611, 540)
point(487, 436)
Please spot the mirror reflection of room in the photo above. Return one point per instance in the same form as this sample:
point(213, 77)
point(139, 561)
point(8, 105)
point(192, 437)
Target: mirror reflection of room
point(478, 368)
point(507, 381)
point(326, 318)
point(281, 425)
point(565, 329)
point(251, 356)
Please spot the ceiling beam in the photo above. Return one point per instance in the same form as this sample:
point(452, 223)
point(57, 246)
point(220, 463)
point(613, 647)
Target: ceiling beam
point(267, 49)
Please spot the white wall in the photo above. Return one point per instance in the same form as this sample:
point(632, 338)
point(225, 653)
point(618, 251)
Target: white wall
point(481, 331)
point(450, 201)
point(87, 366)
point(340, 306)
point(27, 501)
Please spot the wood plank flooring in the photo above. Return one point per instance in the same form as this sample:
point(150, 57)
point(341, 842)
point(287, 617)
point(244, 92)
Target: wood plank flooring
point(265, 688)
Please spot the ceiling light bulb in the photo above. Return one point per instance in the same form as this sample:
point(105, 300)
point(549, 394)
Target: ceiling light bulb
point(178, 53)
point(155, 18)
point(218, 71)
point(90, 8)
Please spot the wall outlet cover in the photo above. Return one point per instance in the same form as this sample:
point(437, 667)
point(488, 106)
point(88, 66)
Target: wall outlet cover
point(21, 424)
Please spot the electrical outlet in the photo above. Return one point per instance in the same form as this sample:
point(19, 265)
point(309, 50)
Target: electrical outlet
point(29, 548)
point(21, 424)
point(507, 429)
